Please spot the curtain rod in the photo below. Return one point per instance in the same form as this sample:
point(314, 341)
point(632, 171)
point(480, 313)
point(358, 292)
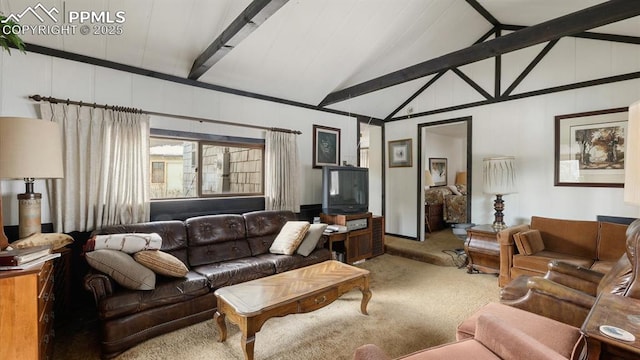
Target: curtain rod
point(134, 110)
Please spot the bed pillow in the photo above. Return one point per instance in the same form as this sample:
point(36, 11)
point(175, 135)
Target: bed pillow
point(161, 263)
point(311, 239)
point(529, 242)
point(129, 243)
point(122, 268)
point(289, 238)
point(454, 189)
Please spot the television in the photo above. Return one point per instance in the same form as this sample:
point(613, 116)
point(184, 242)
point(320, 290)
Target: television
point(345, 190)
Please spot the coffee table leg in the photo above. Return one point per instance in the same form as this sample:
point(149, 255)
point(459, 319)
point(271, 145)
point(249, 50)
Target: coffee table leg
point(366, 296)
point(247, 343)
point(222, 325)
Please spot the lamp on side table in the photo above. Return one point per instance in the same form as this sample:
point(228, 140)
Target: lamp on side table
point(29, 149)
point(499, 179)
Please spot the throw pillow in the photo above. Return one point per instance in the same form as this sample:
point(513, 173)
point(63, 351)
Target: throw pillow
point(462, 189)
point(129, 243)
point(454, 189)
point(161, 263)
point(529, 242)
point(122, 268)
point(56, 240)
point(289, 238)
point(311, 239)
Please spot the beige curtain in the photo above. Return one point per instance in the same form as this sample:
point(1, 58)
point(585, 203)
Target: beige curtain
point(282, 172)
point(106, 168)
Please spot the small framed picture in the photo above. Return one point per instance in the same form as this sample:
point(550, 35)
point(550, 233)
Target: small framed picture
point(400, 153)
point(590, 148)
point(438, 169)
point(326, 146)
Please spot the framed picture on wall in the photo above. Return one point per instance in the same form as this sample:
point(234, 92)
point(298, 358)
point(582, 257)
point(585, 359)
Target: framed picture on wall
point(326, 146)
point(400, 153)
point(590, 148)
point(438, 169)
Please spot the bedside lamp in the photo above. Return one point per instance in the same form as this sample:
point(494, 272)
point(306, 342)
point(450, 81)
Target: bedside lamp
point(461, 178)
point(428, 179)
point(499, 179)
point(29, 149)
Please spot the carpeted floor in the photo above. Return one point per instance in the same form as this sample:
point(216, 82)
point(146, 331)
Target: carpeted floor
point(439, 248)
point(414, 305)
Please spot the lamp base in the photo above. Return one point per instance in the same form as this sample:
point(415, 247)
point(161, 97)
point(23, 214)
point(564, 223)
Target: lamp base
point(29, 214)
point(498, 206)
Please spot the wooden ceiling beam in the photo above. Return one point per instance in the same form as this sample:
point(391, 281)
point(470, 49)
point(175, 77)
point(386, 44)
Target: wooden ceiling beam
point(577, 22)
point(244, 24)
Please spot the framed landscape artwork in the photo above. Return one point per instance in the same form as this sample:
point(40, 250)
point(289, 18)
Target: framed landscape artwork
point(326, 146)
point(438, 169)
point(400, 153)
point(589, 148)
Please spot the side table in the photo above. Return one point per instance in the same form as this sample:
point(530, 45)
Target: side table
point(483, 249)
point(614, 310)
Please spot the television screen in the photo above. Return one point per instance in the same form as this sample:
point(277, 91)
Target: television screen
point(345, 190)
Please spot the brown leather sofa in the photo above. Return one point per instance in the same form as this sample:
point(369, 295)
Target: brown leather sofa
point(593, 245)
point(219, 250)
point(567, 292)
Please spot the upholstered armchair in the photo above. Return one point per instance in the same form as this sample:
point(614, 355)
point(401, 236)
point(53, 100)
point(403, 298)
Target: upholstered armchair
point(567, 292)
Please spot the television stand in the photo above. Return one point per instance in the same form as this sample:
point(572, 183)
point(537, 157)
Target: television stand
point(358, 240)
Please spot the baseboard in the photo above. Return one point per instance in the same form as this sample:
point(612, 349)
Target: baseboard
point(402, 236)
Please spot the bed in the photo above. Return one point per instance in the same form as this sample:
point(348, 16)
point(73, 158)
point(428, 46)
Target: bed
point(452, 198)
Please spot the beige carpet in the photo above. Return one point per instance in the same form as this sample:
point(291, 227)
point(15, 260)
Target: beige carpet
point(438, 248)
point(414, 305)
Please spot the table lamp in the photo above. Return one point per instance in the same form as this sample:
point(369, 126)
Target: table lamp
point(499, 175)
point(461, 178)
point(29, 149)
point(428, 179)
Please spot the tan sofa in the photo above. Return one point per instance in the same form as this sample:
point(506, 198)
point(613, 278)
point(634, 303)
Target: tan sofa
point(594, 245)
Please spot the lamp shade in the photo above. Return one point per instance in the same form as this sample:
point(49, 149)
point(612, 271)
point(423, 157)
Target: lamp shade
point(428, 179)
point(461, 178)
point(30, 148)
point(632, 156)
point(500, 175)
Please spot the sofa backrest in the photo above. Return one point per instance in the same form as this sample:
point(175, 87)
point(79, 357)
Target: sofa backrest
point(172, 232)
point(215, 238)
point(612, 240)
point(263, 227)
point(575, 237)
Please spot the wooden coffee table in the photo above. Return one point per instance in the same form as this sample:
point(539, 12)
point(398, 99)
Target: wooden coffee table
point(310, 288)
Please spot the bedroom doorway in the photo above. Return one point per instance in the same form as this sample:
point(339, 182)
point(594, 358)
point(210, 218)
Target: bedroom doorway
point(444, 152)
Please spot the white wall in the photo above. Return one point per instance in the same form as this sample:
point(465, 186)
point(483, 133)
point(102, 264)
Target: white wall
point(23, 75)
point(525, 129)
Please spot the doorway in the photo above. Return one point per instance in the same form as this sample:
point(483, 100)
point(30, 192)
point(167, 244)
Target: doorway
point(448, 143)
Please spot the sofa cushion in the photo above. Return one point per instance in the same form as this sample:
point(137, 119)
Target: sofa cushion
point(575, 237)
point(289, 238)
point(263, 227)
point(215, 238)
point(161, 263)
point(559, 337)
point(462, 350)
point(284, 263)
point(235, 271)
point(511, 343)
point(168, 291)
point(311, 239)
point(529, 242)
point(540, 260)
point(612, 241)
point(122, 268)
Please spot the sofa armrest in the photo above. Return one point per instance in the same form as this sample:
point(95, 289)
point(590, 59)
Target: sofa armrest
point(99, 285)
point(575, 277)
point(561, 292)
point(507, 249)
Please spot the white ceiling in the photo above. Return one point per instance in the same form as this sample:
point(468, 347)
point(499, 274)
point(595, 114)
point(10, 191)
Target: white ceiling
point(308, 48)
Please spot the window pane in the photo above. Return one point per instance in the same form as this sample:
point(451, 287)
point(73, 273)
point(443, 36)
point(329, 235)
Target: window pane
point(230, 170)
point(173, 172)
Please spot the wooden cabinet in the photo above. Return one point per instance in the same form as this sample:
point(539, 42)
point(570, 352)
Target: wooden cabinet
point(483, 249)
point(358, 243)
point(433, 217)
point(26, 313)
point(377, 234)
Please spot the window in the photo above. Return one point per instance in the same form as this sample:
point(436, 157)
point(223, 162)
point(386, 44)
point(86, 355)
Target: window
point(203, 168)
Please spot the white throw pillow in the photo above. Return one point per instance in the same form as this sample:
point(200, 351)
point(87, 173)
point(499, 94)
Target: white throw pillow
point(290, 237)
point(454, 189)
point(129, 243)
point(311, 239)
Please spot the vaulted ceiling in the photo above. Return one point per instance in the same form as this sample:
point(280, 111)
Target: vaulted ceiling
point(362, 57)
